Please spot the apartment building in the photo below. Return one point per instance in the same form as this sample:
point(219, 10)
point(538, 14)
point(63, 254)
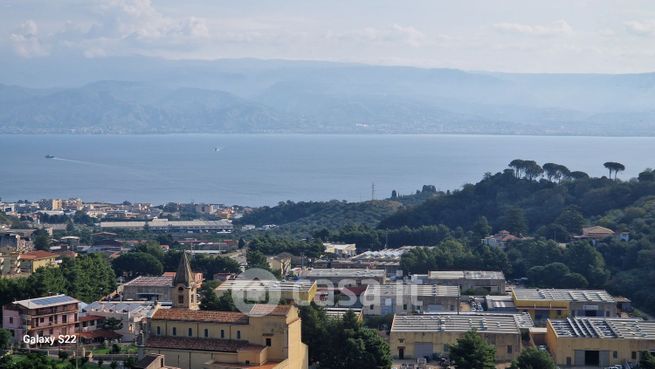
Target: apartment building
point(44, 316)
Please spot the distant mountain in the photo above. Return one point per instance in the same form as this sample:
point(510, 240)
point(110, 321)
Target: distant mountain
point(140, 95)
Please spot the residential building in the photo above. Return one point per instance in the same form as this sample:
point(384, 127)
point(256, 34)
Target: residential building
point(280, 263)
point(89, 329)
point(418, 336)
point(593, 342)
point(338, 312)
point(469, 281)
point(267, 337)
point(501, 239)
point(44, 316)
point(545, 303)
point(132, 314)
point(33, 260)
point(148, 288)
point(260, 290)
point(9, 264)
point(342, 250)
point(345, 277)
point(13, 241)
point(401, 298)
point(597, 232)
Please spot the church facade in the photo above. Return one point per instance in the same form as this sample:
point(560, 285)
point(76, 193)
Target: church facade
point(193, 339)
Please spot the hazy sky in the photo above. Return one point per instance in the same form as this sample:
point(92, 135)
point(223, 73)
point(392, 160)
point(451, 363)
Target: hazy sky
point(614, 36)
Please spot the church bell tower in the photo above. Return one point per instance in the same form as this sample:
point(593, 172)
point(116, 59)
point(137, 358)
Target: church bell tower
point(185, 290)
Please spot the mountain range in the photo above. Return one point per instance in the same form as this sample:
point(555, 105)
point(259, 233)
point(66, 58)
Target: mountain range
point(145, 95)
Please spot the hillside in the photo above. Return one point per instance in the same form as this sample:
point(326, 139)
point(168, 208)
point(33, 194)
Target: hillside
point(248, 96)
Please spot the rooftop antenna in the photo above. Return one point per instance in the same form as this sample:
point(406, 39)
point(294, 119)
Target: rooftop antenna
point(373, 191)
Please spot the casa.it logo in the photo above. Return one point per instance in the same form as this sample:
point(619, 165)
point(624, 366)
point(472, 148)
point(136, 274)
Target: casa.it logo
point(256, 292)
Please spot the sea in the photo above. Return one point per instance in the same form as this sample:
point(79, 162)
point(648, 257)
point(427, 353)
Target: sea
point(264, 169)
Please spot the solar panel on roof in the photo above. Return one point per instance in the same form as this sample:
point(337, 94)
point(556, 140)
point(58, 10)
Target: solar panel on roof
point(52, 300)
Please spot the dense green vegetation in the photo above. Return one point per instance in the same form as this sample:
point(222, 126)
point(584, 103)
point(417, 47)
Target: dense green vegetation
point(342, 343)
point(149, 259)
point(473, 352)
point(271, 245)
point(532, 358)
point(303, 218)
point(86, 278)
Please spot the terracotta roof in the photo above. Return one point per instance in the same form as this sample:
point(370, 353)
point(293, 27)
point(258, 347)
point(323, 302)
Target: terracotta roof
point(263, 309)
point(99, 333)
point(201, 316)
point(200, 344)
point(37, 254)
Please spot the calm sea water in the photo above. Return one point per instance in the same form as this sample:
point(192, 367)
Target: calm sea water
point(266, 169)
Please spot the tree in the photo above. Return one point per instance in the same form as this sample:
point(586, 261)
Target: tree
point(472, 352)
point(578, 175)
point(514, 221)
point(134, 264)
point(647, 175)
point(519, 166)
point(5, 338)
point(112, 324)
point(394, 195)
point(571, 219)
point(481, 228)
point(532, 358)
point(41, 239)
point(614, 167)
point(256, 259)
point(209, 300)
point(647, 360)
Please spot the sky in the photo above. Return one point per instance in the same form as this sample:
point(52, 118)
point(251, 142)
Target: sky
point(549, 36)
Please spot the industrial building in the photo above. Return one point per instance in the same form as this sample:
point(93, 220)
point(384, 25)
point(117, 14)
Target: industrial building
point(544, 304)
point(418, 336)
point(470, 281)
point(258, 290)
point(345, 277)
point(594, 342)
point(409, 298)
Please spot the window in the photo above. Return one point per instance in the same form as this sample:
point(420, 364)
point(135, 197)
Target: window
point(158, 331)
point(238, 335)
point(180, 288)
point(41, 320)
point(190, 332)
point(11, 320)
point(607, 313)
point(174, 331)
point(371, 307)
point(615, 354)
point(268, 342)
point(509, 349)
point(404, 306)
point(83, 324)
point(92, 323)
point(634, 355)
point(559, 312)
point(64, 318)
point(206, 332)
point(180, 299)
point(50, 331)
point(222, 333)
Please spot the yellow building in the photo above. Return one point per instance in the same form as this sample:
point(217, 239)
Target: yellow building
point(299, 292)
point(544, 303)
point(417, 336)
point(601, 342)
point(194, 339)
point(33, 260)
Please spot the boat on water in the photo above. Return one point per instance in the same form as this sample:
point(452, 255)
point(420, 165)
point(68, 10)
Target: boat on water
point(49, 156)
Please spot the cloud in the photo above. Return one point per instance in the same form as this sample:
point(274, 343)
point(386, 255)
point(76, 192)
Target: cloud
point(395, 33)
point(26, 41)
point(557, 28)
point(641, 28)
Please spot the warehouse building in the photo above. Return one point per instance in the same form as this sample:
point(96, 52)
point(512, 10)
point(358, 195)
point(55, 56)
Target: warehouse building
point(418, 336)
point(544, 304)
point(470, 281)
point(599, 341)
point(299, 292)
point(345, 277)
point(409, 298)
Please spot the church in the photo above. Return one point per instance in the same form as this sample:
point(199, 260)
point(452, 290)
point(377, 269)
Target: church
point(190, 338)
